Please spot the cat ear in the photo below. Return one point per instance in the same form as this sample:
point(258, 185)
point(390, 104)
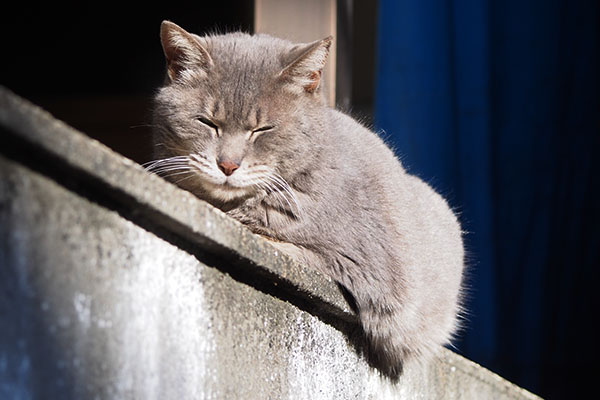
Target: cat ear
point(306, 67)
point(184, 52)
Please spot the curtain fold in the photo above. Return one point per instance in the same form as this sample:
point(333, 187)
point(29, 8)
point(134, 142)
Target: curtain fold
point(496, 104)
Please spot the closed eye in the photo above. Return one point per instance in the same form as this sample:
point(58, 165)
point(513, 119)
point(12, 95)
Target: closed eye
point(208, 123)
point(263, 129)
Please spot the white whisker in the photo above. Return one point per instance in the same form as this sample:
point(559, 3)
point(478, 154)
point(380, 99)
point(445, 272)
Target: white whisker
point(166, 159)
point(177, 173)
point(200, 165)
point(165, 164)
point(199, 162)
point(169, 168)
point(270, 188)
point(171, 161)
point(183, 179)
point(286, 191)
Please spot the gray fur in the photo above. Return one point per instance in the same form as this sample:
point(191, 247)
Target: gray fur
point(317, 183)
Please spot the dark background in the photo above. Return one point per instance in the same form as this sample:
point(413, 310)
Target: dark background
point(497, 105)
point(96, 65)
point(494, 103)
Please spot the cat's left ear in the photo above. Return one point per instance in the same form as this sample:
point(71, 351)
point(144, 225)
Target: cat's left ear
point(305, 70)
point(186, 57)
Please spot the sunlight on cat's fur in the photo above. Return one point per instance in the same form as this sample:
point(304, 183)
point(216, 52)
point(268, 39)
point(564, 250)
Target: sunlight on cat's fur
point(241, 122)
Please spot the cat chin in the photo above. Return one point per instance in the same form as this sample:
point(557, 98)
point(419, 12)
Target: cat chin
point(225, 192)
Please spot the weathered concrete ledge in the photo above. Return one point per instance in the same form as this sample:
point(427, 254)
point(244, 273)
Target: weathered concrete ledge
point(116, 284)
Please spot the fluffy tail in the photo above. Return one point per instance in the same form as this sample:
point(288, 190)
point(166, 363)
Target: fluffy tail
point(396, 337)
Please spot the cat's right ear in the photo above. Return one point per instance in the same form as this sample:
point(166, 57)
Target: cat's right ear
point(185, 55)
point(306, 65)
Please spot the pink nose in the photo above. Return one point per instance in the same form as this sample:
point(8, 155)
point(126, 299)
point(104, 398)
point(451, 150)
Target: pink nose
point(228, 167)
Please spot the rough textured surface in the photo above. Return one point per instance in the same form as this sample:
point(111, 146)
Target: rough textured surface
point(116, 285)
point(127, 315)
point(152, 197)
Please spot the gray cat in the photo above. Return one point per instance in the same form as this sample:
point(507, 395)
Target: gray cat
point(241, 122)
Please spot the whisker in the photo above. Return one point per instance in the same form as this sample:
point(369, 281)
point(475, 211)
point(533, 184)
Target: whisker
point(165, 161)
point(183, 179)
point(170, 159)
point(199, 158)
point(282, 192)
point(264, 184)
point(166, 170)
point(201, 163)
point(261, 176)
point(279, 187)
point(286, 188)
point(168, 162)
point(168, 166)
point(177, 172)
point(291, 192)
point(161, 160)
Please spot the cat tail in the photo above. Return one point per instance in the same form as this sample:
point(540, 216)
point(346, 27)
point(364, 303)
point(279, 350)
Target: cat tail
point(397, 335)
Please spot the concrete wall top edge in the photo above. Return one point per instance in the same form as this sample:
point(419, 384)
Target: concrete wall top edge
point(36, 139)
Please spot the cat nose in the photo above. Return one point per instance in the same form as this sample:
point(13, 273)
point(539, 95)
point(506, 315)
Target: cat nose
point(228, 167)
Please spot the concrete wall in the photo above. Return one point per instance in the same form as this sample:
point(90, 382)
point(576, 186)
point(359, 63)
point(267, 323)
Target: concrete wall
point(116, 285)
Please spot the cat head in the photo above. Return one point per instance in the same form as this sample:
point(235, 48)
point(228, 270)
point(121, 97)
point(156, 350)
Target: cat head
point(238, 114)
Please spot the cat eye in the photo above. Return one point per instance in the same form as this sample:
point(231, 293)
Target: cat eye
point(263, 129)
point(254, 133)
point(209, 123)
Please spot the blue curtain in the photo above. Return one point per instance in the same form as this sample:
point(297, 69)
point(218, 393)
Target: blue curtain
point(496, 104)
